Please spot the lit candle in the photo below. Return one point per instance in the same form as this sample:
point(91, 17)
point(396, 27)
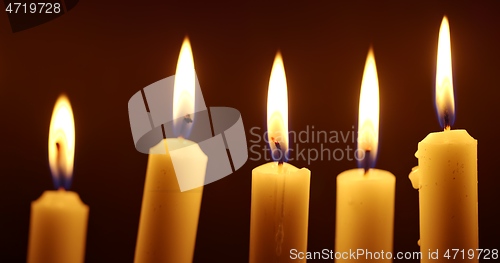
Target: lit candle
point(365, 196)
point(446, 176)
point(58, 224)
point(280, 191)
point(169, 216)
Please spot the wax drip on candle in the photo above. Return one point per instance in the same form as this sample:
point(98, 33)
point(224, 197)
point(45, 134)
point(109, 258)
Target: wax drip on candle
point(280, 201)
point(280, 231)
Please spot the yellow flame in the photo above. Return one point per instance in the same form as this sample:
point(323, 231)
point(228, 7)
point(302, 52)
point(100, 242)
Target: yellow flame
point(368, 123)
point(184, 85)
point(445, 101)
point(62, 139)
point(277, 107)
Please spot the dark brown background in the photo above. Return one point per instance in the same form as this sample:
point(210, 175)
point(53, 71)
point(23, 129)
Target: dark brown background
point(101, 54)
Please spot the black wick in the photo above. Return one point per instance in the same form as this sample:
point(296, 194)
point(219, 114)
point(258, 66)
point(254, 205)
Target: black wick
point(446, 120)
point(187, 121)
point(282, 155)
point(187, 118)
point(60, 180)
point(366, 161)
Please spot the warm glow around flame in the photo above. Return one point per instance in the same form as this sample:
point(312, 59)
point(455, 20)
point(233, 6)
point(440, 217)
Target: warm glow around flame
point(62, 143)
point(445, 101)
point(184, 90)
point(277, 109)
point(368, 120)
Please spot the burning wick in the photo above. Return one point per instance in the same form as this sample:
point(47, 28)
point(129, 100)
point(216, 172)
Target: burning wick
point(446, 121)
point(366, 161)
point(282, 155)
point(187, 121)
point(59, 166)
point(187, 118)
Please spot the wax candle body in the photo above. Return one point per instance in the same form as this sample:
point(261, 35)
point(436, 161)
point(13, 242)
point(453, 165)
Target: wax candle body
point(365, 212)
point(447, 181)
point(169, 217)
point(279, 212)
point(58, 228)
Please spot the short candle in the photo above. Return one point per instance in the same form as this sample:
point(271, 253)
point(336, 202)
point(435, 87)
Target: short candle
point(365, 196)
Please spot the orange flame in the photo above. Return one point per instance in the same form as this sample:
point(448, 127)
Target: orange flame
point(368, 122)
point(445, 101)
point(184, 90)
point(277, 109)
point(62, 143)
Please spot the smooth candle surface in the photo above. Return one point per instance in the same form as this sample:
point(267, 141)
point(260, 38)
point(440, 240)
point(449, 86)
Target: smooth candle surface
point(447, 181)
point(279, 212)
point(58, 228)
point(365, 212)
point(169, 217)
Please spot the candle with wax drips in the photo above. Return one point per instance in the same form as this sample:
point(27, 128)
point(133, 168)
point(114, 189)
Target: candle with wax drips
point(280, 191)
point(446, 176)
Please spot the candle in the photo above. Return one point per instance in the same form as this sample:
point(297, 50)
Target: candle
point(365, 196)
point(169, 216)
point(58, 223)
point(446, 176)
point(280, 191)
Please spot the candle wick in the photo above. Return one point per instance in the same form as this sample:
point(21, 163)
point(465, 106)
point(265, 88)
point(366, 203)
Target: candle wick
point(446, 120)
point(59, 166)
point(58, 157)
point(187, 121)
point(282, 155)
point(366, 161)
point(187, 118)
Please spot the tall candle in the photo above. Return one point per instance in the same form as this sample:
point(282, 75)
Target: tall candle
point(280, 191)
point(446, 176)
point(58, 224)
point(169, 216)
point(365, 197)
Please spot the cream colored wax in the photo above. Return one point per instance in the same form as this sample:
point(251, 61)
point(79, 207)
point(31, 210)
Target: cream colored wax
point(58, 228)
point(365, 215)
point(169, 217)
point(446, 178)
point(279, 212)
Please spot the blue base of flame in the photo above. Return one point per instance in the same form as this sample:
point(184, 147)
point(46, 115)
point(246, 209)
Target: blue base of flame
point(61, 182)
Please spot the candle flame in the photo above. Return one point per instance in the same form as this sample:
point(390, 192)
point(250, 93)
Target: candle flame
point(444, 97)
point(184, 90)
point(277, 110)
point(368, 123)
point(62, 143)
